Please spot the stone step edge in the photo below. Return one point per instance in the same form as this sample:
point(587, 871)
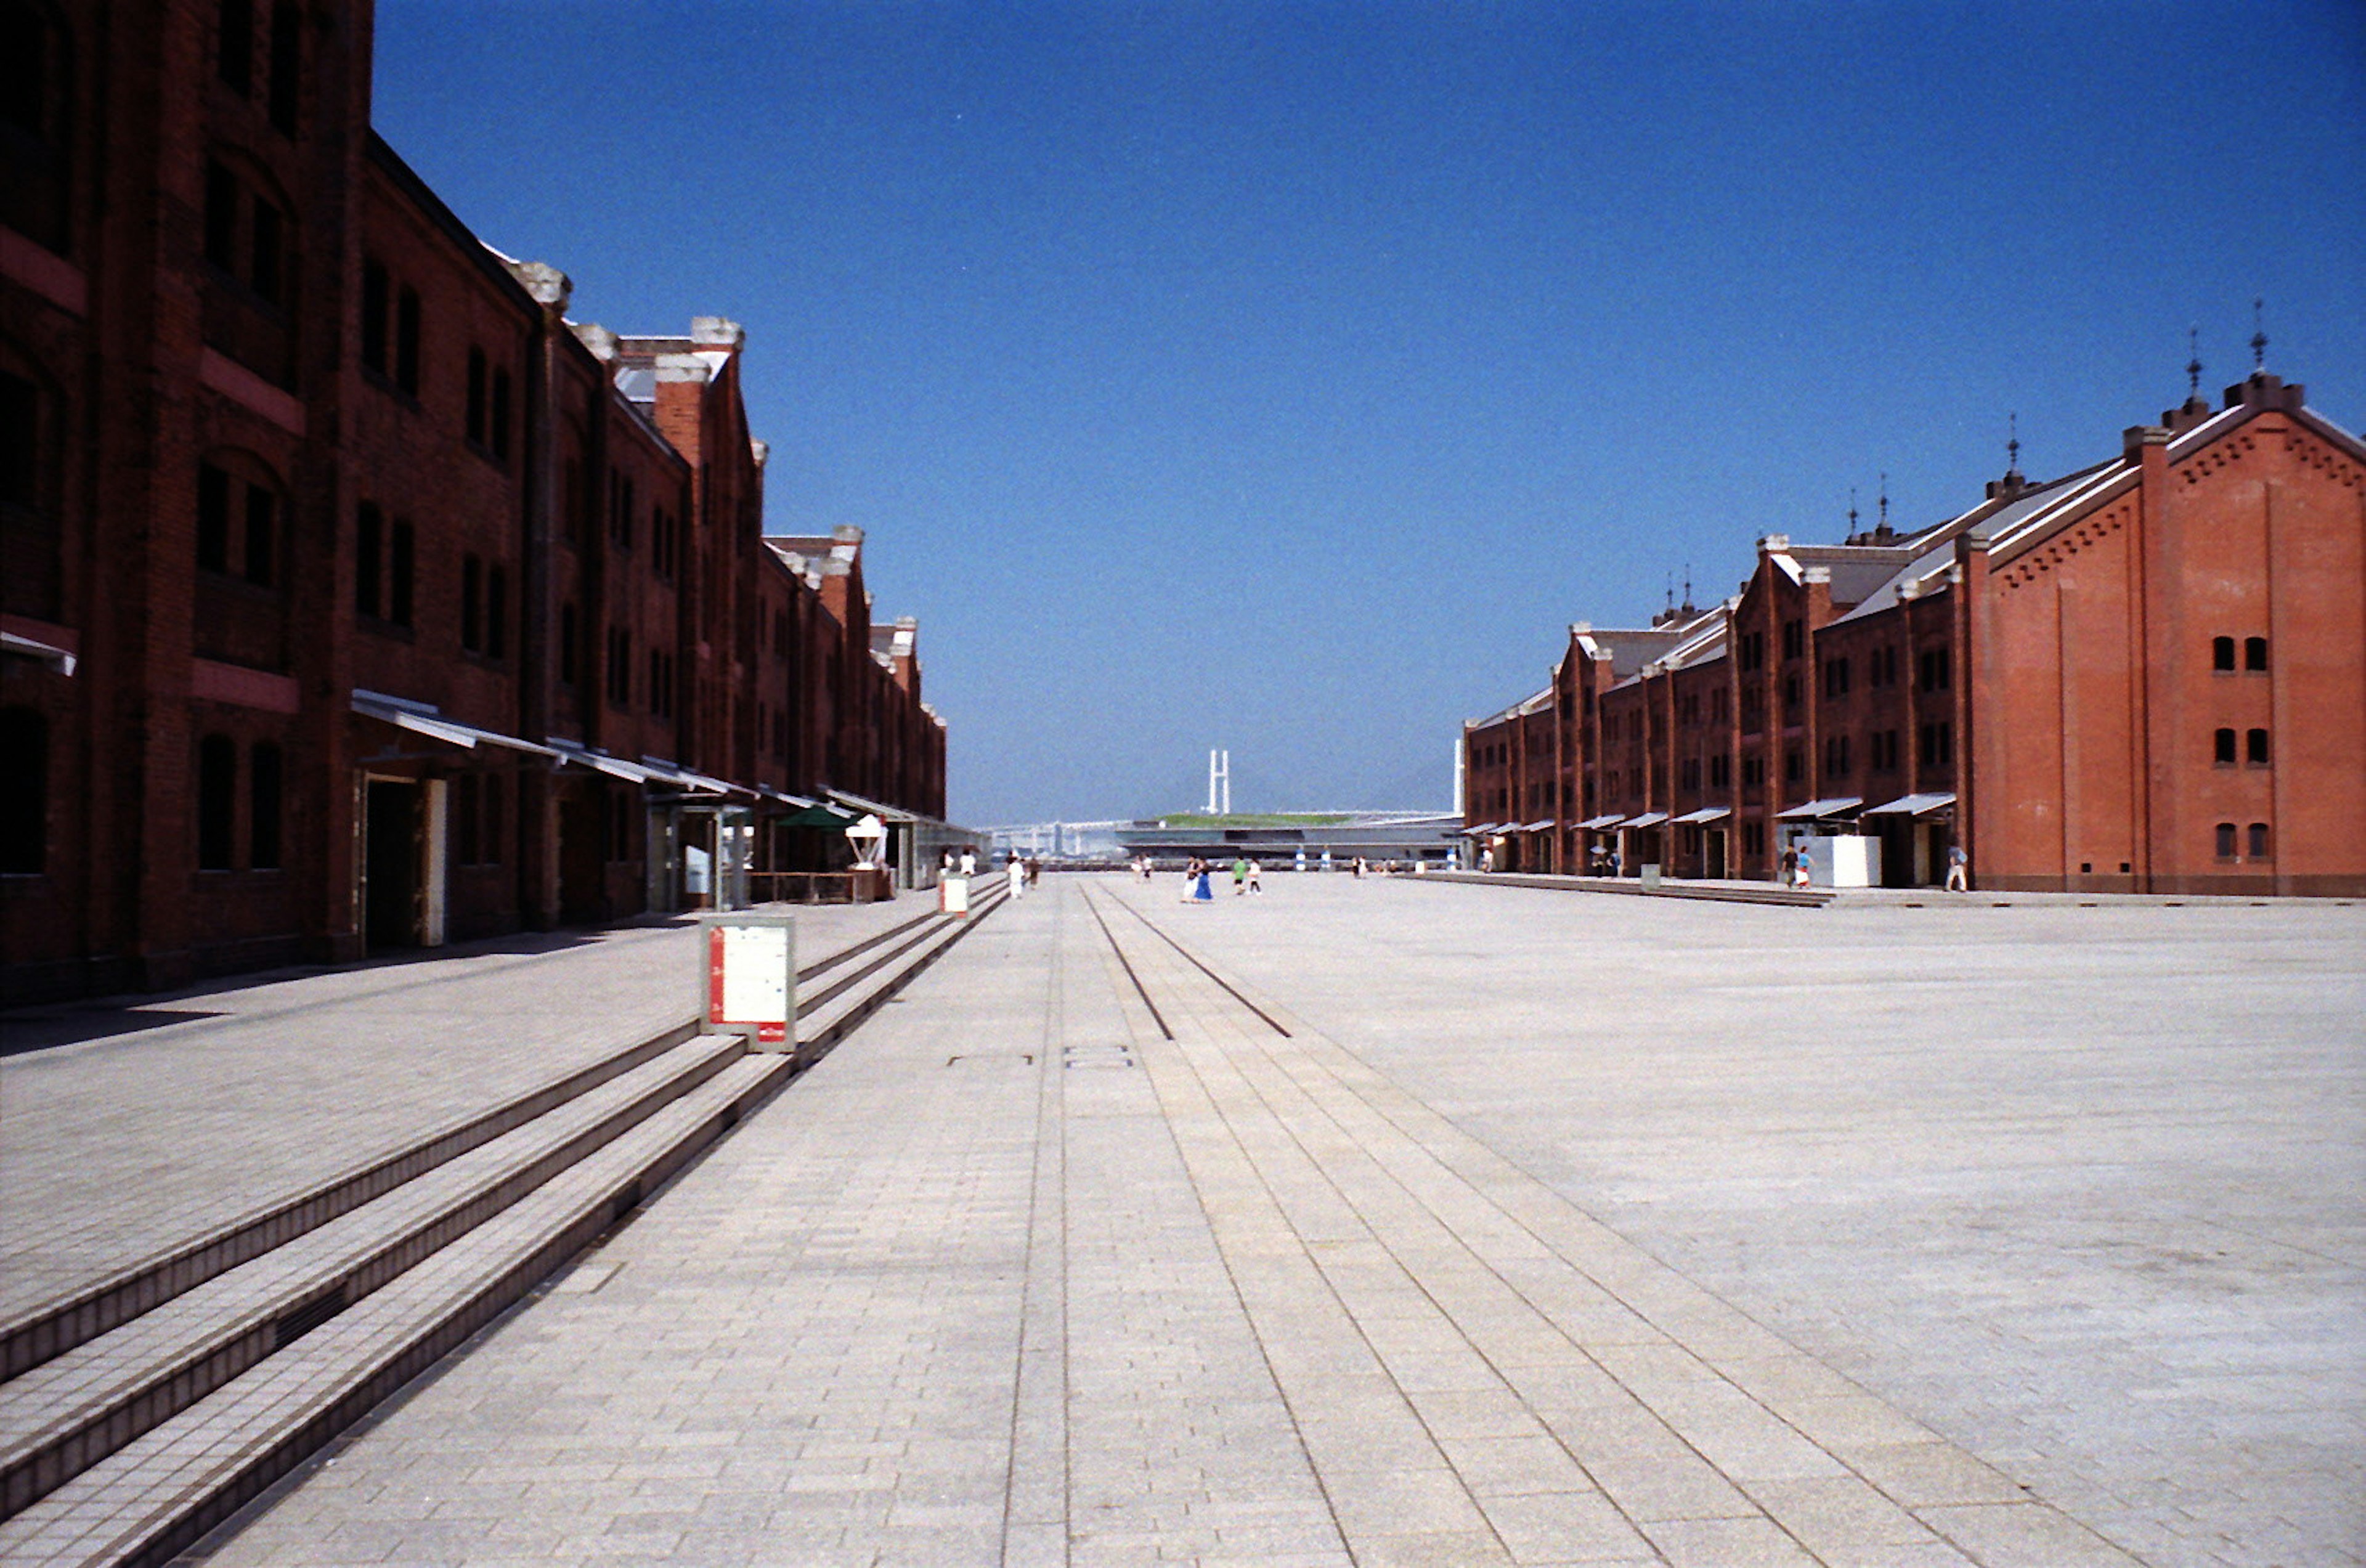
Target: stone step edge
point(172, 1525)
point(135, 1288)
point(53, 1327)
point(154, 1498)
point(819, 1033)
point(197, 1344)
point(1806, 898)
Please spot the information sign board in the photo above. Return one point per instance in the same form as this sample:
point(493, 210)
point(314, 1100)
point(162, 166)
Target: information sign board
point(748, 976)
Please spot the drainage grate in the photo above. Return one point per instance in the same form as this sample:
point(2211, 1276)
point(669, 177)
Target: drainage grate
point(294, 1325)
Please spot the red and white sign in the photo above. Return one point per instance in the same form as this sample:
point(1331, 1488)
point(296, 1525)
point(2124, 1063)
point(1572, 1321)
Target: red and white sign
point(749, 980)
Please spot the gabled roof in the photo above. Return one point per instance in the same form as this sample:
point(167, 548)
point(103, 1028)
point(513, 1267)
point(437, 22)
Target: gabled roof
point(1524, 706)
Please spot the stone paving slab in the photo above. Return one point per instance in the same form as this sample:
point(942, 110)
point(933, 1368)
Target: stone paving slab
point(1687, 1235)
point(126, 1128)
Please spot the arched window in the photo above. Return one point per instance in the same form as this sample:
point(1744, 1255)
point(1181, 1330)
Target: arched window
point(2258, 840)
point(2224, 750)
point(2255, 653)
point(216, 802)
point(24, 792)
point(2255, 748)
point(2222, 653)
point(241, 515)
point(2226, 841)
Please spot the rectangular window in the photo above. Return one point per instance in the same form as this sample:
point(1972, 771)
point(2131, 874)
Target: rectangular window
point(479, 396)
point(400, 565)
point(2255, 653)
point(500, 418)
point(2223, 753)
point(20, 428)
point(263, 806)
point(2255, 748)
point(213, 518)
point(497, 614)
point(2226, 841)
point(472, 595)
point(1938, 745)
point(267, 276)
point(1933, 670)
point(287, 53)
point(369, 548)
point(234, 46)
point(406, 341)
point(2222, 653)
point(262, 536)
point(217, 802)
point(222, 217)
point(377, 292)
point(2258, 840)
point(24, 792)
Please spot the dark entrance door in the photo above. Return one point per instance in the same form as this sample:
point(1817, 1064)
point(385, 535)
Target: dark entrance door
point(583, 857)
point(390, 866)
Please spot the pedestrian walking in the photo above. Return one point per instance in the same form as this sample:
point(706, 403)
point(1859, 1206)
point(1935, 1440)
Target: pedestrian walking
point(969, 861)
point(1240, 875)
point(1959, 869)
point(1201, 891)
point(1256, 883)
point(1487, 859)
point(1016, 871)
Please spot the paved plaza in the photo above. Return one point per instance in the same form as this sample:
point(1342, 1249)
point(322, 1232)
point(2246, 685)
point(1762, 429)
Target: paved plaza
point(1380, 1223)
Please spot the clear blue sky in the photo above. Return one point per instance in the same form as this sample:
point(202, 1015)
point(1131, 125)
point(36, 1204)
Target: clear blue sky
point(1287, 378)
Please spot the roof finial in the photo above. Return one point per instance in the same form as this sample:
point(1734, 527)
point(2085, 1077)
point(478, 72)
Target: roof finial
point(2012, 444)
point(1885, 500)
point(1688, 585)
point(2193, 363)
point(2258, 336)
point(1851, 512)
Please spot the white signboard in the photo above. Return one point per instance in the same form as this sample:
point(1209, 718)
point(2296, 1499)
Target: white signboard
point(751, 979)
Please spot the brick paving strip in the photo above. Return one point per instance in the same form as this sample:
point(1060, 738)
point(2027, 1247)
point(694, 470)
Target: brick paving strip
point(1013, 1278)
point(1492, 1376)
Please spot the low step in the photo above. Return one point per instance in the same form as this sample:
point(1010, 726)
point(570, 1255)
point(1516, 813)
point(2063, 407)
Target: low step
point(161, 1491)
point(128, 1458)
point(145, 1284)
point(67, 1414)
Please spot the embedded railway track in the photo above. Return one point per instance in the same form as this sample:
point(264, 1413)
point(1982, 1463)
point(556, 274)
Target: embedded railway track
point(1137, 958)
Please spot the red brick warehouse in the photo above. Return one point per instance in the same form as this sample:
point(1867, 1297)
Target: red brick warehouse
point(354, 596)
point(2145, 676)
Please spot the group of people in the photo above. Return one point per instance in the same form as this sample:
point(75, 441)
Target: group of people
point(1248, 876)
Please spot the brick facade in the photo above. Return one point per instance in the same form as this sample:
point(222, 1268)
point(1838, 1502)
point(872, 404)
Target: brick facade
point(2150, 675)
point(355, 597)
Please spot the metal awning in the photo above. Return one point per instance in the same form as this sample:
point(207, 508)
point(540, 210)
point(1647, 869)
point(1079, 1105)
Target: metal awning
point(664, 771)
point(58, 659)
point(1648, 819)
point(1914, 805)
point(425, 718)
point(1706, 814)
point(872, 807)
point(1815, 810)
point(1609, 819)
point(1543, 826)
point(614, 767)
point(1482, 829)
